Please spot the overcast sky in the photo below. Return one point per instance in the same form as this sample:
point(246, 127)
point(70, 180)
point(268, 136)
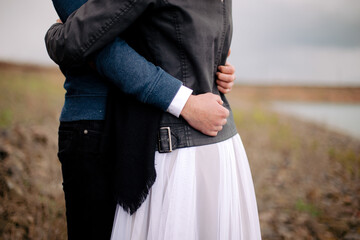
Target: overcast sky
point(302, 42)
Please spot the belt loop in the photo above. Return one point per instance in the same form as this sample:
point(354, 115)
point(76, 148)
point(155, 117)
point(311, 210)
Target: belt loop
point(169, 140)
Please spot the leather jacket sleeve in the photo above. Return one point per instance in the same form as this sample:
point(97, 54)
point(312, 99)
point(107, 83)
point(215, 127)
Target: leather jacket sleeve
point(90, 28)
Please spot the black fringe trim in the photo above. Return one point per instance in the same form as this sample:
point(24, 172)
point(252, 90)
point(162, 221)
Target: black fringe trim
point(132, 206)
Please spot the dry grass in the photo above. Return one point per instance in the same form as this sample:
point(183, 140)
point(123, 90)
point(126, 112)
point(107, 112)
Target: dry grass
point(310, 94)
point(306, 177)
point(29, 95)
point(31, 199)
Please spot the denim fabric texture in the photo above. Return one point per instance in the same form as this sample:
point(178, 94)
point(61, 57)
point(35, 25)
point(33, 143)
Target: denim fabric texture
point(90, 205)
point(137, 77)
point(65, 8)
point(86, 90)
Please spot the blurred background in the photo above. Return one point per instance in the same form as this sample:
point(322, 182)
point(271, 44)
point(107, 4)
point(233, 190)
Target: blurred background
point(296, 105)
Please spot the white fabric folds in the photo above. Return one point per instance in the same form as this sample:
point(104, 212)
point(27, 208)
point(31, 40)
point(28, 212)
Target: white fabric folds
point(200, 193)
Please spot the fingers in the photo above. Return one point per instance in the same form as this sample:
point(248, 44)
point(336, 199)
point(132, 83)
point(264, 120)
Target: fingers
point(225, 84)
point(221, 111)
point(226, 112)
point(224, 87)
point(227, 68)
point(223, 90)
point(205, 113)
point(213, 132)
point(215, 129)
point(225, 77)
point(218, 99)
point(216, 124)
point(58, 21)
point(218, 128)
point(224, 122)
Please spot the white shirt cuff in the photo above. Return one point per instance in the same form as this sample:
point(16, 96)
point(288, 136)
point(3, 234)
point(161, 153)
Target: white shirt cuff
point(178, 103)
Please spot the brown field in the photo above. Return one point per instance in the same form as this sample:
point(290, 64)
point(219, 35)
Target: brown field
point(307, 178)
point(290, 93)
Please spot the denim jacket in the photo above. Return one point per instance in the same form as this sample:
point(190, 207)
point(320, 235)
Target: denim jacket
point(188, 39)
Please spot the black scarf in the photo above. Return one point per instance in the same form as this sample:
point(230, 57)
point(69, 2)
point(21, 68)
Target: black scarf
point(130, 137)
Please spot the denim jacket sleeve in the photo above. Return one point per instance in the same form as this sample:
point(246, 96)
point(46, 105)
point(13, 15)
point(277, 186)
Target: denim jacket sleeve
point(134, 75)
point(92, 27)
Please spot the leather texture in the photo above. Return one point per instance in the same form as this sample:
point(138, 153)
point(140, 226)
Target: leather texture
point(188, 39)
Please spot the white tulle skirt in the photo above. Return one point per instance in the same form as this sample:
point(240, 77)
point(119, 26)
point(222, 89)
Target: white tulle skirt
point(200, 193)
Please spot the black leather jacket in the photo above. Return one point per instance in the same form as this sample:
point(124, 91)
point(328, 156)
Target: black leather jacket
point(187, 38)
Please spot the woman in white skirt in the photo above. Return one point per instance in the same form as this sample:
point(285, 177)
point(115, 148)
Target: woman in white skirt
point(202, 191)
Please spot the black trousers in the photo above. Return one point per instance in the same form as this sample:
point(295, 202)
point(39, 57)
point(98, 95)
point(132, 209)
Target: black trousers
point(90, 205)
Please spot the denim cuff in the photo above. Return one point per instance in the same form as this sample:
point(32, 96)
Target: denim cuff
point(164, 90)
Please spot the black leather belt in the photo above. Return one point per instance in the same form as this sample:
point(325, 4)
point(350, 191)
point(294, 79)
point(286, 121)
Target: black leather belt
point(165, 140)
point(181, 135)
point(171, 138)
point(175, 133)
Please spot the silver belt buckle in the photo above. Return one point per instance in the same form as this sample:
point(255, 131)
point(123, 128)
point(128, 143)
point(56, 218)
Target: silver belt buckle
point(169, 136)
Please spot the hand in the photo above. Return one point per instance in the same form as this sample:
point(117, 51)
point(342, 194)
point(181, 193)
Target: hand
point(58, 21)
point(225, 77)
point(205, 113)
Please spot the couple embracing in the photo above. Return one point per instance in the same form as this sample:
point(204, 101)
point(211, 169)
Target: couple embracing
point(147, 141)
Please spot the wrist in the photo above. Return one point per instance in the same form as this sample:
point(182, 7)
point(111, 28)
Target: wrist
point(186, 111)
point(178, 103)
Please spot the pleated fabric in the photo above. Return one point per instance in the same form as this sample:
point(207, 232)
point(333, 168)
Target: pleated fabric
point(200, 193)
